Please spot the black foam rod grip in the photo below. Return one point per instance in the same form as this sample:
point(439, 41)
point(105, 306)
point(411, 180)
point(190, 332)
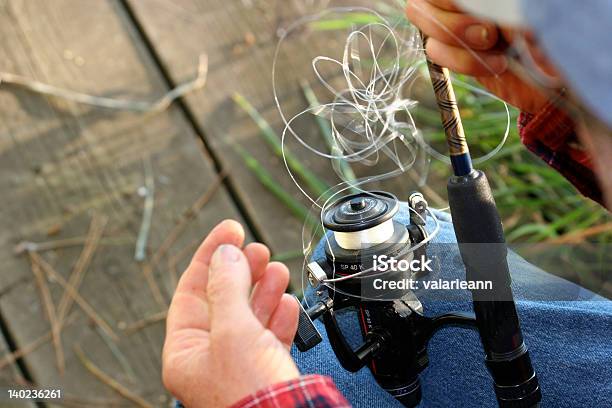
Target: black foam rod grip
point(480, 234)
point(478, 229)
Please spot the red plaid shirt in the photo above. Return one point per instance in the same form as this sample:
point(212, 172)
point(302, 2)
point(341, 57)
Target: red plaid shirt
point(551, 135)
point(310, 391)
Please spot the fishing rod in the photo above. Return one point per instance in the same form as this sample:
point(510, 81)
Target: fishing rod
point(361, 228)
point(479, 232)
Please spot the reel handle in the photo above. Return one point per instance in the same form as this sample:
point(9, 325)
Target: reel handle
point(307, 335)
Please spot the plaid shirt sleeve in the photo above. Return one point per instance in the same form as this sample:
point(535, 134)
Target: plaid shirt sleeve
point(550, 134)
point(311, 391)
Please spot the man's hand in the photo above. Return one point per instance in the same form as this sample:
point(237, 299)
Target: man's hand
point(224, 341)
point(439, 18)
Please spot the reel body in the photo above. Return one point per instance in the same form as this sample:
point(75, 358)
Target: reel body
point(395, 332)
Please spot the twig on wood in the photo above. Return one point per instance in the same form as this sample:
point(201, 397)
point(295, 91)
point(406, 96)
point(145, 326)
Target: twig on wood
point(141, 324)
point(94, 234)
point(108, 380)
point(10, 358)
point(25, 350)
point(109, 103)
point(47, 301)
point(147, 271)
point(188, 216)
point(147, 212)
point(29, 246)
point(143, 233)
point(86, 307)
point(112, 346)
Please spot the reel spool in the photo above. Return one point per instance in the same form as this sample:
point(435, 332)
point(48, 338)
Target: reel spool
point(360, 227)
point(363, 220)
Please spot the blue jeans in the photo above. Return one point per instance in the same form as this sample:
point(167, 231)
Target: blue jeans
point(570, 343)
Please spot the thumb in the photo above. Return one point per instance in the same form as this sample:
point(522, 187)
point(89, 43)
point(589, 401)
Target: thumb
point(229, 285)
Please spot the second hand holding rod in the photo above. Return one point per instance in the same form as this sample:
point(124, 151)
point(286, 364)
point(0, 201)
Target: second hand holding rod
point(482, 245)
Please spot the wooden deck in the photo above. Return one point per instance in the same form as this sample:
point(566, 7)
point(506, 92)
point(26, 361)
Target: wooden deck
point(70, 176)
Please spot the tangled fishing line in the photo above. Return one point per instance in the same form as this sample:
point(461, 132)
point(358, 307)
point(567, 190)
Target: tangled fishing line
point(368, 110)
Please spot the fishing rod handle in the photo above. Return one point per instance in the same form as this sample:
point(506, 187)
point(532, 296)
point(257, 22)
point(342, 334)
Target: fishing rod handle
point(482, 246)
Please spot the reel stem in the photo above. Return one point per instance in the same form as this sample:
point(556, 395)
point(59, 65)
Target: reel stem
point(451, 119)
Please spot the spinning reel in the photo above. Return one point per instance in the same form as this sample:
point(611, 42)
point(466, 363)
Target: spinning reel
point(395, 331)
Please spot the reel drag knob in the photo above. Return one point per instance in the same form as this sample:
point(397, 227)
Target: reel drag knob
point(362, 220)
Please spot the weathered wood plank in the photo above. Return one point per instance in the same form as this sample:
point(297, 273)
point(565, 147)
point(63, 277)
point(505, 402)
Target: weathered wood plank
point(240, 38)
point(62, 163)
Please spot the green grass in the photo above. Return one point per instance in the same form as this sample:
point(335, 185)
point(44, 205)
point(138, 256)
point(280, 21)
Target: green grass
point(267, 180)
point(318, 186)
